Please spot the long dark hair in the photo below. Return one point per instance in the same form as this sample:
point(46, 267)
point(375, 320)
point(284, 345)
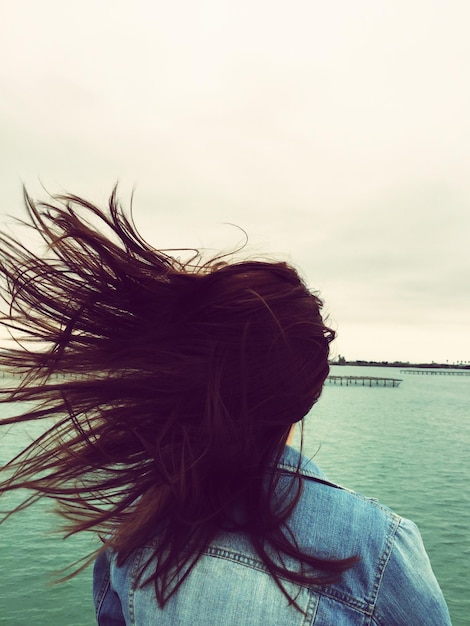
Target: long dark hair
point(171, 386)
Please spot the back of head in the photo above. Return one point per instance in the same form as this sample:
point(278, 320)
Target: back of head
point(178, 382)
point(253, 354)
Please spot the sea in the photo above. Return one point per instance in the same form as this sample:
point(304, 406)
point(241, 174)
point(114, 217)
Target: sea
point(408, 446)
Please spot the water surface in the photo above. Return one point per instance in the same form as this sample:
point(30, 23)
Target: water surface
point(407, 446)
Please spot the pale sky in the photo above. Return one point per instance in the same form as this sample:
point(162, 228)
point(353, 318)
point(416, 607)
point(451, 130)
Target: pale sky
point(336, 134)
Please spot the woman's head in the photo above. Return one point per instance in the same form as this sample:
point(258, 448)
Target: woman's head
point(231, 352)
point(176, 384)
point(252, 351)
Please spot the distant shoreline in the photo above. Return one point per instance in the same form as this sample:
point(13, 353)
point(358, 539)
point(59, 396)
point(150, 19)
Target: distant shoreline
point(402, 364)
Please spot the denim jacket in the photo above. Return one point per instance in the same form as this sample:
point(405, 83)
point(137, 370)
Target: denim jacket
point(391, 585)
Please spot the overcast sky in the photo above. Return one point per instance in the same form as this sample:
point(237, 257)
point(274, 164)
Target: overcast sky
point(336, 133)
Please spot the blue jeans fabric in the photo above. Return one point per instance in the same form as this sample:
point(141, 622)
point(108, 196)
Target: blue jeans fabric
point(392, 584)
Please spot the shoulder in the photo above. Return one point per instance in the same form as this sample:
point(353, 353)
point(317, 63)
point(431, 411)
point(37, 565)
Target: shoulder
point(320, 496)
point(408, 591)
point(393, 581)
point(334, 522)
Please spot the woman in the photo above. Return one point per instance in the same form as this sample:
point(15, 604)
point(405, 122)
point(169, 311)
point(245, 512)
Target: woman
point(169, 390)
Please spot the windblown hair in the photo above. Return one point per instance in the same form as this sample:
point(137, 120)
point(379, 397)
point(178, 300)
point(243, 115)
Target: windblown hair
point(167, 388)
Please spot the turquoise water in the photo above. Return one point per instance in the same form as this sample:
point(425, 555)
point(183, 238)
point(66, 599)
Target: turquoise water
point(407, 446)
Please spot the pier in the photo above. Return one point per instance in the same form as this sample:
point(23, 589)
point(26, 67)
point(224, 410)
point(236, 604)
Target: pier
point(364, 381)
point(433, 372)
